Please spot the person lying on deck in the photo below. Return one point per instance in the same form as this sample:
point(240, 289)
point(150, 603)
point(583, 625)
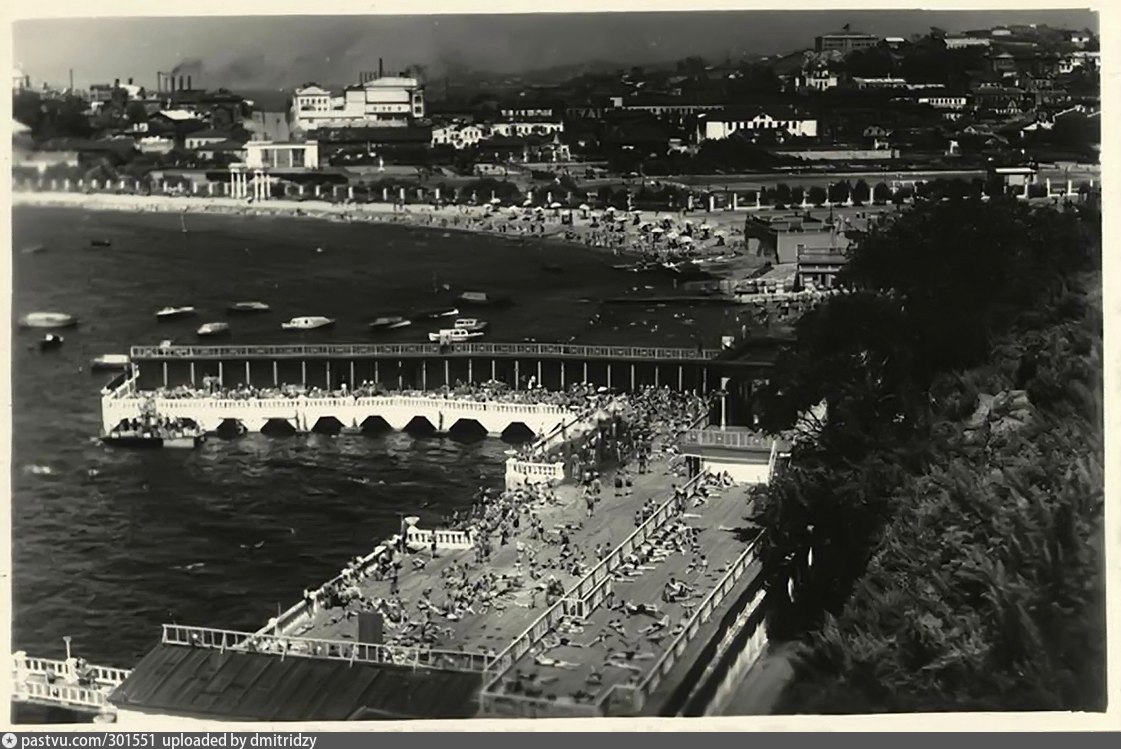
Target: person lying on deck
point(544, 660)
point(657, 626)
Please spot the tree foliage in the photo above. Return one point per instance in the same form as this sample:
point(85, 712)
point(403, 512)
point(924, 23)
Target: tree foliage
point(947, 473)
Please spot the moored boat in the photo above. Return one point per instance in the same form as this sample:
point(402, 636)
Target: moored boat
point(48, 320)
point(311, 322)
point(100, 243)
point(50, 341)
point(470, 324)
point(154, 433)
point(484, 299)
point(174, 313)
point(390, 322)
point(247, 308)
point(212, 329)
point(434, 313)
point(454, 335)
point(34, 249)
point(110, 361)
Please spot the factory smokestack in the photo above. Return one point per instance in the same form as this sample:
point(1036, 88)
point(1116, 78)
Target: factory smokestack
point(71, 79)
point(116, 83)
point(381, 69)
point(130, 81)
point(188, 83)
point(182, 80)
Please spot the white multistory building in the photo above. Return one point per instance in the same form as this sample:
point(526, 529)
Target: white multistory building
point(377, 102)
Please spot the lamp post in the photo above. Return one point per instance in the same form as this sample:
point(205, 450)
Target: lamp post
point(66, 639)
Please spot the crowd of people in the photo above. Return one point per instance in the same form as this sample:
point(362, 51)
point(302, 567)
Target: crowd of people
point(540, 557)
point(576, 396)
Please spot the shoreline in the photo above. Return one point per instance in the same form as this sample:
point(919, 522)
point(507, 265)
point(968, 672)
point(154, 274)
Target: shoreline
point(620, 240)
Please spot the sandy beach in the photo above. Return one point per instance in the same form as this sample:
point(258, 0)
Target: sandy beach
point(642, 233)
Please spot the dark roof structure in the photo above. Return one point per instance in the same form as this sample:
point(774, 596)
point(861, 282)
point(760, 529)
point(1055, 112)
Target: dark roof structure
point(243, 686)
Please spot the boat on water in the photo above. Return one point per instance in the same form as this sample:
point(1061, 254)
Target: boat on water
point(470, 324)
point(454, 335)
point(435, 313)
point(484, 299)
point(247, 308)
point(150, 432)
point(174, 313)
point(212, 329)
point(552, 268)
point(34, 249)
point(110, 361)
point(50, 342)
point(100, 243)
point(48, 320)
point(391, 322)
point(312, 322)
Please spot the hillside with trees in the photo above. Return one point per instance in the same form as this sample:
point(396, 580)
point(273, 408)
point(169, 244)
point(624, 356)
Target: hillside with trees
point(942, 516)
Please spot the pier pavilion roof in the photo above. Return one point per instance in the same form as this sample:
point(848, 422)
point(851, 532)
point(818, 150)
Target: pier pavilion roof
point(238, 685)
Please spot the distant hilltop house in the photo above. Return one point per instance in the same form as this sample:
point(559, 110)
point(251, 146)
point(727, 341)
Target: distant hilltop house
point(465, 135)
point(391, 101)
point(20, 80)
point(845, 41)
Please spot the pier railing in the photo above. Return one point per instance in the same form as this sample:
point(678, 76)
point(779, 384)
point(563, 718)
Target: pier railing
point(445, 538)
point(104, 675)
point(360, 350)
point(338, 650)
point(634, 696)
point(736, 439)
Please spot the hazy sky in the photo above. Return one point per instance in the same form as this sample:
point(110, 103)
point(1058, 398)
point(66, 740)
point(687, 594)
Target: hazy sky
point(283, 51)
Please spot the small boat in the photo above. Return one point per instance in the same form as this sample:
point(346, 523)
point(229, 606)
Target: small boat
point(313, 322)
point(34, 249)
point(390, 323)
point(247, 308)
point(110, 361)
point(213, 329)
point(100, 243)
point(48, 320)
point(174, 313)
point(483, 299)
point(435, 313)
point(470, 324)
point(150, 435)
point(454, 335)
point(552, 268)
point(50, 342)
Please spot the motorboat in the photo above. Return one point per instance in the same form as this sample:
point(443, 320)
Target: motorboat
point(483, 299)
point(110, 361)
point(48, 320)
point(454, 335)
point(436, 313)
point(100, 243)
point(50, 342)
point(34, 249)
point(247, 308)
point(213, 329)
point(390, 323)
point(470, 324)
point(174, 313)
point(552, 268)
point(313, 322)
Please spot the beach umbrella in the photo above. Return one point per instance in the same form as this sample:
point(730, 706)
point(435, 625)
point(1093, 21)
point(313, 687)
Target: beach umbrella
point(610, 209)
point(687, 239)
point(555, 204)
point(585, 207)
point(672, 235)
point(657, 230)
point(495, 201)
point(528, 202)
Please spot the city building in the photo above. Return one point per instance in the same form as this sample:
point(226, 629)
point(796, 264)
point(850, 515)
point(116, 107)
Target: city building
point(965, 42)
point(845, 41)
point(261, 154)
point(943, 101)
point(721, 125)
point(785, 236)
point(391, 101)
point(816, 80)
